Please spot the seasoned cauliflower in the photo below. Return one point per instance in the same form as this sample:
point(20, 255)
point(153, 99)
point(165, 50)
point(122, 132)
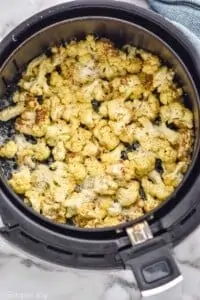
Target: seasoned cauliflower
point(102, 134)
point(8, 150)
point(127, 196)
point(105, 135)
point(178, 114)
point(155, 186)
point(21, 180)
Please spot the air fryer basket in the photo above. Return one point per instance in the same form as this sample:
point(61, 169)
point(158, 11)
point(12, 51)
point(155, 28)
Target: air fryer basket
point(167, 225)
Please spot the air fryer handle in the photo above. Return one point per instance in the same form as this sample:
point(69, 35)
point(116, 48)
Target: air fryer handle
point(155, 271)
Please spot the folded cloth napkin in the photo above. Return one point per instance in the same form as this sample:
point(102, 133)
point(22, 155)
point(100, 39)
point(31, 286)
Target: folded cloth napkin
point(184, 13)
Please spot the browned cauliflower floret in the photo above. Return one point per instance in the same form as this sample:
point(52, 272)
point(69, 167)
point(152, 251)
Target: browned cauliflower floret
point(88, 116)
point(93, 166)
point(175, 177)
point(184, 143)
point(127, 196)
point(91, 149)
point(155, 186)
point(178, 114)
point(77, 170)
point(41, 151)
point(163, 78)
point(57, 132)
point(132, 212)
point(8, 150)
point(102, 184)
point(161, 148)
point(112, 156)
point(115, 209)
point(78, 140)
point(170, 94)
point(33, 121)
point(105, 135)
point(148, 108)
point(57, 109)
point(21, 180)
point(144, 161)
point(59, 151)
point(117, 111)
point(122, 170)
point(151, 203)
point(12, 112)
point(151, 62)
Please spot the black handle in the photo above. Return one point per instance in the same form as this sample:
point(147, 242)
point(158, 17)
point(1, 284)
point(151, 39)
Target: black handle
point(154, 267)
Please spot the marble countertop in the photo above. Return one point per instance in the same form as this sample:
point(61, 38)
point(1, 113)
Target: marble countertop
point(28, 278)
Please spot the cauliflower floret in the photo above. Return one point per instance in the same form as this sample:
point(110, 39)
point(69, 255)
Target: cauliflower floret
point(155, 186)
point(151, 203)
point(41, 151)
point(151, 62)
point(77, 170)
point(184, 143)
point(59, 151)
point(178, 114)
point(11, 112)
point(35, 199)
point(171, 135)
point(21, 180)
point(105, 135)
point(127, 196)
point(103, 185)
point(115, 209)
point(90, 149)
point(148, 108)
point(75, 200)
point(87, 115)
point(57, 132)
point(170, 94)
point(175, 177)
point(78, 140)
point(161, 148)
point(122, 170)
point(104, 202)
point(163, 78)
point(144, 161)
point(111, 221)
point(57, 109)
point(112, 156)
point(90, 211)
point(70, 111)
point(117, 111)
point(8, 150)
point(93, 166)
point(33, 121)
point(132, 212)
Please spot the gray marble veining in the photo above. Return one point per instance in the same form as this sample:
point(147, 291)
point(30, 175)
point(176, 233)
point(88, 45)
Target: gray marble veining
point(25, 277)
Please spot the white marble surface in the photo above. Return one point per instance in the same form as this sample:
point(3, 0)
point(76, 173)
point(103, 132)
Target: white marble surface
point(23, 277)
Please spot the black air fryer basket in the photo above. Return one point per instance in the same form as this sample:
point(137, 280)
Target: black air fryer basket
point(143, 245)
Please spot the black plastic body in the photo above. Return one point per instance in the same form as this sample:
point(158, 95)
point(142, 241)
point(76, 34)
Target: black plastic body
point(103, 248)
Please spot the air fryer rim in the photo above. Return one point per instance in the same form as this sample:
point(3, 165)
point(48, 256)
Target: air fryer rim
point(193, 54)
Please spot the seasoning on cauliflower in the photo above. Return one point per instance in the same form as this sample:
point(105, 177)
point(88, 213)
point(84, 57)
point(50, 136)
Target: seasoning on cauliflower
point(8, 150)
point(102, 134)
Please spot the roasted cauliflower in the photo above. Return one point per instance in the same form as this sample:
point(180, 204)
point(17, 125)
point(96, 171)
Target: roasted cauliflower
point(101, 135)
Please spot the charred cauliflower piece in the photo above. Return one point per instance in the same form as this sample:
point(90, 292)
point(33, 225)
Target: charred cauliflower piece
point(102, 133)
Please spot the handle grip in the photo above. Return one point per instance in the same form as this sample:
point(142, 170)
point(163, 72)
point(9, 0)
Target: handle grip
point(154, 267)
